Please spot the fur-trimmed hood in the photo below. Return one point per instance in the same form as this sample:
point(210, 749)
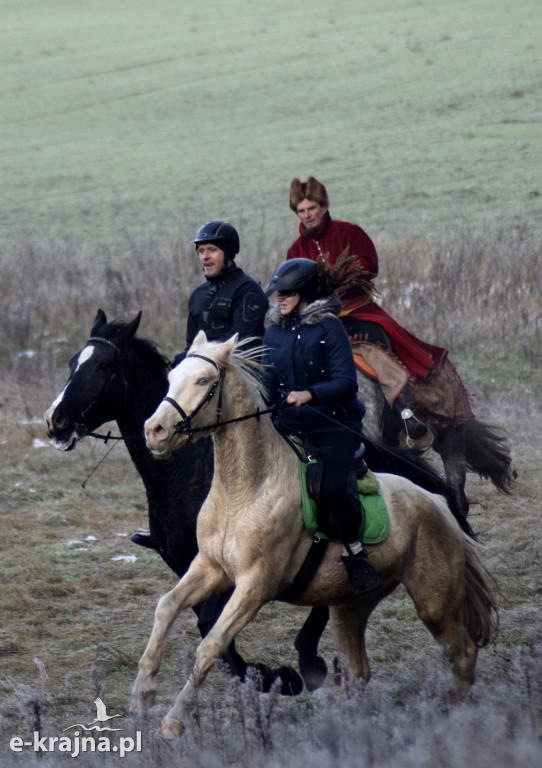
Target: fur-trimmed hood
point(317, 311)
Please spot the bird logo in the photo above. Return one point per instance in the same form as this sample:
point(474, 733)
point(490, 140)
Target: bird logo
point(101, 717)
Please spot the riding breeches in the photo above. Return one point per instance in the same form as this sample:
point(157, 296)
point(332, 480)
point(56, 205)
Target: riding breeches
point(338, 493)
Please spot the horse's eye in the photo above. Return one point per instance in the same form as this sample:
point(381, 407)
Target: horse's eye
point(202, 382)
point(103, 367)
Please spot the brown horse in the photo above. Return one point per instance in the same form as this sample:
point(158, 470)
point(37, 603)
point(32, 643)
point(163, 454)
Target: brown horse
point(463, 442)
point(251, 536)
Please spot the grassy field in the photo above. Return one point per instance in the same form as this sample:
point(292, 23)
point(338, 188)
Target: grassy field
point(78, 598)
point(124, 120)
point(125, 125)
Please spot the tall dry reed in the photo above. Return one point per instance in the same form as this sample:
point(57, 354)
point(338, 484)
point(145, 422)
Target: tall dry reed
point(467, 288)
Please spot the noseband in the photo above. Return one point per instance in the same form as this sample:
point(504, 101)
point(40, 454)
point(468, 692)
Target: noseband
point(184, 427)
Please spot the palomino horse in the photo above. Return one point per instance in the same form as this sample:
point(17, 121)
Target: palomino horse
point(251, 536)
point(119, 377)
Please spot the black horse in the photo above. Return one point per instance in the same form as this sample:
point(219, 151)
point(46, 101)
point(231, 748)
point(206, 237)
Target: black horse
point(119, 377)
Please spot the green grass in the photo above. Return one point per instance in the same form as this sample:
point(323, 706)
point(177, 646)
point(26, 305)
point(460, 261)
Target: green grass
point(130, 119)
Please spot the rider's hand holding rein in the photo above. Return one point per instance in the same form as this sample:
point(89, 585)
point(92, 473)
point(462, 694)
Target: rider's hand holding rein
point(299, 398)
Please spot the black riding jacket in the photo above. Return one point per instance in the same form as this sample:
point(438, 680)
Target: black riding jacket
point(230, 303)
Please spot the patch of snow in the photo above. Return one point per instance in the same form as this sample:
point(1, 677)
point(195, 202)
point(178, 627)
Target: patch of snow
point(125, 558)
point(90, 537)
point(40, 443)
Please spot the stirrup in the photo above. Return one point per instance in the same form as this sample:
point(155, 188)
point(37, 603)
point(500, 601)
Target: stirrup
point(425, 440)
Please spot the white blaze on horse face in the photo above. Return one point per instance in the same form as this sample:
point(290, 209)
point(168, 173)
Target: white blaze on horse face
point(84, 355)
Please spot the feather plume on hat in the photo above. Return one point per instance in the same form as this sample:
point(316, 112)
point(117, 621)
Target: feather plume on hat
point(346, 274)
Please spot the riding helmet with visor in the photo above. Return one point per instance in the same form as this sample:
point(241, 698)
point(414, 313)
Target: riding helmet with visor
point(296, 276)
point(221, 234)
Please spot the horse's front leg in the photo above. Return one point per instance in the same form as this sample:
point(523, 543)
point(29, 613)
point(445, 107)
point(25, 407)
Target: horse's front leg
point(242, 606)
point(200, 582)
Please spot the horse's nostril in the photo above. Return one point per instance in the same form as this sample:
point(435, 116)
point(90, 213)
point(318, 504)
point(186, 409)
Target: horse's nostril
point(60, 420)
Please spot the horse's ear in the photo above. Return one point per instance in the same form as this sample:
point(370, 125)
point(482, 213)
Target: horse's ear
point(201, 338)
point(127, 333)
point(99, 321)
point(227, 346)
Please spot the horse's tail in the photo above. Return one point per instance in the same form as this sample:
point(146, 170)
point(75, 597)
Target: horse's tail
point(411, 464)
point(487, 454)
point(480, 613)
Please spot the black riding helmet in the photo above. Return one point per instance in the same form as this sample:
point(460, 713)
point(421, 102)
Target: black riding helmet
point(299, 275)
point(221, 234)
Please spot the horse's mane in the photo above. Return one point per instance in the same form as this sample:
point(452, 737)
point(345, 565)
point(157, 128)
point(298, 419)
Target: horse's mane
point(244, 359)
point(248, 362)
point(148, 352)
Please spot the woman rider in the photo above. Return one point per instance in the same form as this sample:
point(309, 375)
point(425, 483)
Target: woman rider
point(308, 362)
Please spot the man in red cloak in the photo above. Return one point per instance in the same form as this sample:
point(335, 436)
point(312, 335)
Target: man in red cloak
point(408, 369)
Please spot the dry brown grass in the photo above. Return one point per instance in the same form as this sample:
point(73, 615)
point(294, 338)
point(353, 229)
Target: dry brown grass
point(74, 620)
point(467, 290)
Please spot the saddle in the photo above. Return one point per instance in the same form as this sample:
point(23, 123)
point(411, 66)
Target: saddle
point(441, 398)
point(375, 521)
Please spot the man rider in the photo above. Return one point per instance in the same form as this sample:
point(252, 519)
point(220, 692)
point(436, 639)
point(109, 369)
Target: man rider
point(229, 301)
point(396, 356)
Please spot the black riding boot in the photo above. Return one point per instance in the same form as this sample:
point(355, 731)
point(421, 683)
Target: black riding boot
point(362, 576)
point(144, 540)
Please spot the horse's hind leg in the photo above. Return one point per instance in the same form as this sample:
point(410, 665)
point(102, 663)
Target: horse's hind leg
point(349, 622)
point(461, 651)
point(450, 445)
point(436, 585)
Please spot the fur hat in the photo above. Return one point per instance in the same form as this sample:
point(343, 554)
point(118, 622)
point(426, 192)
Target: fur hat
point(310, 189)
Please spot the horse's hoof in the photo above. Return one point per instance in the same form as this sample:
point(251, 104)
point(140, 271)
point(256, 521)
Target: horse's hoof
point(313, 670)
point(265, 678)
point(172, 730)
point(141, 702)
point(291, 681)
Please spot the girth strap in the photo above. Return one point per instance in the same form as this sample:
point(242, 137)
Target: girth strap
point(305, 575)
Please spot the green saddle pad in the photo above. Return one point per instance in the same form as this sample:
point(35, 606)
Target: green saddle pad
point(377, 523)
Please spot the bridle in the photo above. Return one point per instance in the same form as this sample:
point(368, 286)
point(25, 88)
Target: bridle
point(184, 426)
point(81, 428)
